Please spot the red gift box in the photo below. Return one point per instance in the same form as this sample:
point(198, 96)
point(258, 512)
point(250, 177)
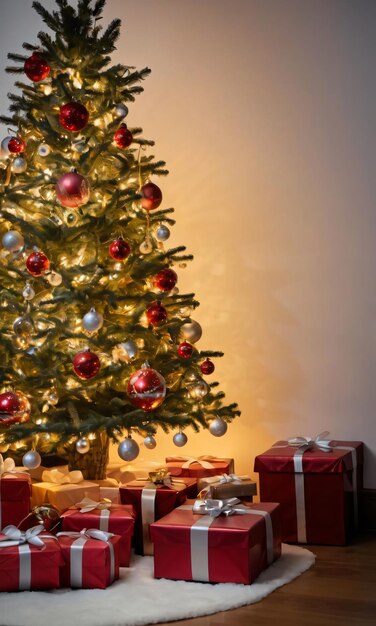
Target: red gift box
point(317, 488)
point(189, 546)
point(198, 467)
point(89, 563)
point(15, 492)
point(28, 566)
point(117, 519)
point(151, 502)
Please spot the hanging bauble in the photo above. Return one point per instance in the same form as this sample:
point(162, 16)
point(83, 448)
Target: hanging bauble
point(150, 442)
point(156, 314)
point(119, 249)
point(218, 427)
point(151, 196)
point(191, 331)
point(13, 241)
point(125, 351)
point(28, 293)
point(79, 145)
point(44, 150)
point(207, 367)
point(123, 137)
point(54, 278)
point(5, 143)
point(121, 110)
point(146, 247)
point(185, 350)
point(82, 445)
point(92, 321)
point(16, 145)
point(146, 388)
point(165, 280)
point(23, 326)
point(180, 439)
point(14, 408)
point(37, 263)
point(198, 390)
point(51, 396)
point(86, 364)
point(31, 459)
point(128, 449)
point(162, 233)
point(36, 67)
point(72, 190)
point(73, 116)
point(19, 165)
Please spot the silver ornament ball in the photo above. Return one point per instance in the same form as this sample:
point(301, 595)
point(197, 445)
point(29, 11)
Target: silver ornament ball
point(31, 459)
point(13, 241)
point(162, 233)
point(127, 351)
point(54, 278)
point(19, 165)
point(191, 331)
point(150, 442)
point(121, 110)
point(128, 449)
point(44, 150)
point(28, 293)
point(92, 321)
point(218, 427)
point(4, 144)
point(82, 445)
point(180, 439)
point(23, 326)
point(198, 390)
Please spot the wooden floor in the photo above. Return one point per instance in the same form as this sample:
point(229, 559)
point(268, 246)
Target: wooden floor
point(340, 590)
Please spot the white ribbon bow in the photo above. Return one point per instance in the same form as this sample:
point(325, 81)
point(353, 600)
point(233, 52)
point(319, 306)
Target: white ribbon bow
point(8, 466)
point(225, 478)
point(90, 533)
point(13, 536)
point(87, 504)
point(319, 443)
point(201, 460)
point(62, 477)
point(215, 508)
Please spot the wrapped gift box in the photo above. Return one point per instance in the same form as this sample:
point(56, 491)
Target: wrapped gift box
point(117, 519)
point(109, 488)
point(15, 492)
point(127, 472)
point(28, 567)
point(317, 489)
point(89, 563)
point(150, 501)
point(233, 549)
point(63, 496)
point(200, 467)
point(228, 486)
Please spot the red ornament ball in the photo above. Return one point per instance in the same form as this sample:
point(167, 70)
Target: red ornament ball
point(123, 137)
point(36, 67)
point(185, 350)
point(165, 280)
point(37, 263)
point(73, 116)
point(86, 364)
point(146, 389)
point(156, 313)
point(119, 249)
point(16, 145)
point(207, 367)
point(14, 408)
point(72, 190)
point(151, 196)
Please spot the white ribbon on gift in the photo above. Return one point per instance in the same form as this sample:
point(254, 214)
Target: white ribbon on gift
point(13, 536)
point(210, 509)
point(189, 460)
point(77, 548)
point(87, 505)
point(62, 477)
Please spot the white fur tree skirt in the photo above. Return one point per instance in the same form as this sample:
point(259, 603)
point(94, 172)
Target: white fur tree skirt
point(137, 598)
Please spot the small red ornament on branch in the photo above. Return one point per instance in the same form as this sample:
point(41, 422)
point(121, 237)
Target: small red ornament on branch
point(72, 190)
point(37, 263)
point(14, 408)
point(185, 350)
point(16, 145)
point(86, 364)
point(146, 388)
point(151, 196)
point(73, 116)
point(36, 67)
point(165, 280)
point(123, 137)
point(156, 314)
point(119, 249)
point(207, 367)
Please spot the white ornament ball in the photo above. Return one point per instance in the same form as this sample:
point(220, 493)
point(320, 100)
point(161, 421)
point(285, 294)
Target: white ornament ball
point(55, 279)
point(92, 321)
point(31, 459)
point(198, 390)
point(128, 449)
point(28, 293)
point(146, 247)
point(191, 331)
point(19, 165)
point(4, 145)
point(125, 351)
point(180, 439)
point(44, 150)
point(121, 110)
point(162, 233)
point(150, 442)
point(13, 241)
point(218, 427)
point(83, 445)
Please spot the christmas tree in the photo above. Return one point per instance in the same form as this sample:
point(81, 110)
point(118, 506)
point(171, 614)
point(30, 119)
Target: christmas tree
point(97, 342)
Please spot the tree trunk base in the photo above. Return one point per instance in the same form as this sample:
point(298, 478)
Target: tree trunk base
point(93, 464)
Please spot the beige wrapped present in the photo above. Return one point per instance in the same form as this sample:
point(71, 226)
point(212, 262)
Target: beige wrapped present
point(127, 472)
point(227, 486)
point(63, 489)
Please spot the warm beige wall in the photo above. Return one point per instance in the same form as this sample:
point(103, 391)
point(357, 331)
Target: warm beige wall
point(264, 112)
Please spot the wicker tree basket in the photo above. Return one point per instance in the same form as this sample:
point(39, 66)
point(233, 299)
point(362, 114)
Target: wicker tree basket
point(93, 464)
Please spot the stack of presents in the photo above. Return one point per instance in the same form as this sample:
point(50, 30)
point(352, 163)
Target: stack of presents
point(196, 516)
